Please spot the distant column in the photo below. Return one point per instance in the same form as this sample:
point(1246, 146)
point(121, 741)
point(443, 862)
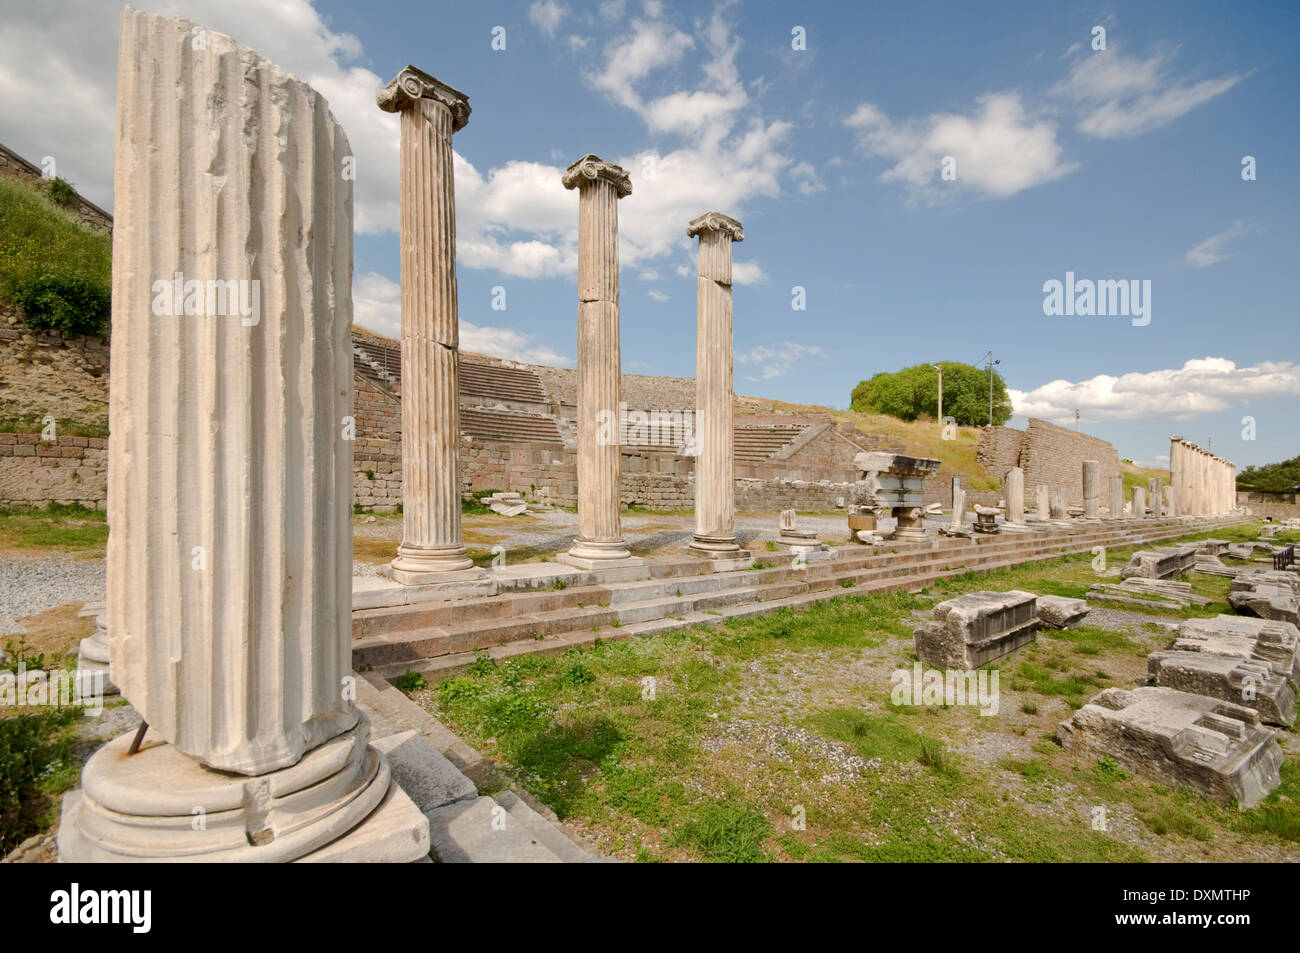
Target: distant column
point(715, 470)
point(1139, 502)
point(1116, 496)
point(1091, 489)
point(1014, 488)
point(600, 543)
point(1044, 507)
point(431, 546)
point(1153, 495)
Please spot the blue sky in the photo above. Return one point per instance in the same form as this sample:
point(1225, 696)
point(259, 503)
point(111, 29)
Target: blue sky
point(1122, 163)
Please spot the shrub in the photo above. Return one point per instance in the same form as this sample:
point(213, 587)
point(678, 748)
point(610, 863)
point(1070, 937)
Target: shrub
point(61, 191)
point(66, 303)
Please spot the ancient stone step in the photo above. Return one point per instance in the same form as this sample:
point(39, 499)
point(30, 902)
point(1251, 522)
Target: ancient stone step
point(546, 833)
point(482, 831)
point(506, 634)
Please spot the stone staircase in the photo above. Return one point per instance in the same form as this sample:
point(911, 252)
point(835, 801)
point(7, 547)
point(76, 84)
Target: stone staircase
point(438, 639)
point(502, 425)
point(494, 382)
point(756, 444)
point(443, 776)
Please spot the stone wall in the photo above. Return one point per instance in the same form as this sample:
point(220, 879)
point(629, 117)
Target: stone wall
point(1049, 455)
point(68, 470)
point(1280, 506)
point(48, 375)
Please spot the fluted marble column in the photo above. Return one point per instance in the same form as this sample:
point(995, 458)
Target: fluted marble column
point(1091, 489)
point(230, 479)
point(600, 543)
point(1116, 502)
point(1014, 489)
point(431, 546)
point(1153, 495)
point(1139, 502)
point(715, 492)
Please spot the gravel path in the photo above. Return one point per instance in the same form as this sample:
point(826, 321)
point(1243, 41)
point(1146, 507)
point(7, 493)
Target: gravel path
point(29, 587)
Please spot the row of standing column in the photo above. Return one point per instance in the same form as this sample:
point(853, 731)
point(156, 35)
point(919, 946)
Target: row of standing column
point(1206, 482)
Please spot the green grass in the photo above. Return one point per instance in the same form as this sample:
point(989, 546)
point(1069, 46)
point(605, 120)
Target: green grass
point(38, 237)
point(70, 529)
point(36, 766)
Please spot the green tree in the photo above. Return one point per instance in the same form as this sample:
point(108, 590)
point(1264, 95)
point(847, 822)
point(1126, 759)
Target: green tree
point(1281, 477)
point(913, 391)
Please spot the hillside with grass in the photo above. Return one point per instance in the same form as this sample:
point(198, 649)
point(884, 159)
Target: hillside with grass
point(53, 266)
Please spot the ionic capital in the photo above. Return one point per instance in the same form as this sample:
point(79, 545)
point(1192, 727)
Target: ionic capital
point(716, 222)
point(411, 85)
point(590, 168)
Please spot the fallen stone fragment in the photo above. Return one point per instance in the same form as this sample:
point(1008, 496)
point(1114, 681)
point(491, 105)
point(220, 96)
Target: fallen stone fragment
point(1241, 681)
point(1061, 612)
point(1188, 741)
point(976, 628)
point(1162, 562)
point(1267, 602)
point(1264, 640)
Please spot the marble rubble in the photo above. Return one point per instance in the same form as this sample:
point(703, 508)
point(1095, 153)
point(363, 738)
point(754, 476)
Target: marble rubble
point(1214, 747)
point(978, 627)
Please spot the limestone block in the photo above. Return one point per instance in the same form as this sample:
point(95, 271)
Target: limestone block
point(1242, 681)
point(1265, 640)
point(1266, 602)
point(1061, 612)
point(976, 628)
point(1163, 562)
point(1188, 741)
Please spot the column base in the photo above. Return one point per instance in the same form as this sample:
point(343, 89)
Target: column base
point(726, 560)
point(92, 664)
point(599, 554)
point(419, 567)
point(338, 803)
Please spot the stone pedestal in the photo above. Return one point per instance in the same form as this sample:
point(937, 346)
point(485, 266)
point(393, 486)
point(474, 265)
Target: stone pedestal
point(230, 478)
point(715, 493)
point(1091, 489)
point(431, 550)
point(894, 483)
point(600, 542)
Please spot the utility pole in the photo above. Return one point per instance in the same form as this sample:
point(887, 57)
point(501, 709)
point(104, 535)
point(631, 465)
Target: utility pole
point(991, 363)
point(939, 368)
point(1076, 420)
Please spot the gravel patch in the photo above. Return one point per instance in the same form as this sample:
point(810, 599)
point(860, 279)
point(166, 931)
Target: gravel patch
point(782, 742)
point(29, 587)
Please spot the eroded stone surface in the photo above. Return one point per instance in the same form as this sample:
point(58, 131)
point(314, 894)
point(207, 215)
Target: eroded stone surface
point(1061, 612)
point(1241, 681)
point(976, 628)
point(1162, 562)
point(1274, 642)
point(1185, 740)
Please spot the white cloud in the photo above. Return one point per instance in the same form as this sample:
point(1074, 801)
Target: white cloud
point(546, 16)
point(657, 295)
point(998, 150)
point(377, 304)
point(747, 273)
point(1205, 385)
point(775, 360)
point(806, 175)
point(1214, 249)
point(1126, 96)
